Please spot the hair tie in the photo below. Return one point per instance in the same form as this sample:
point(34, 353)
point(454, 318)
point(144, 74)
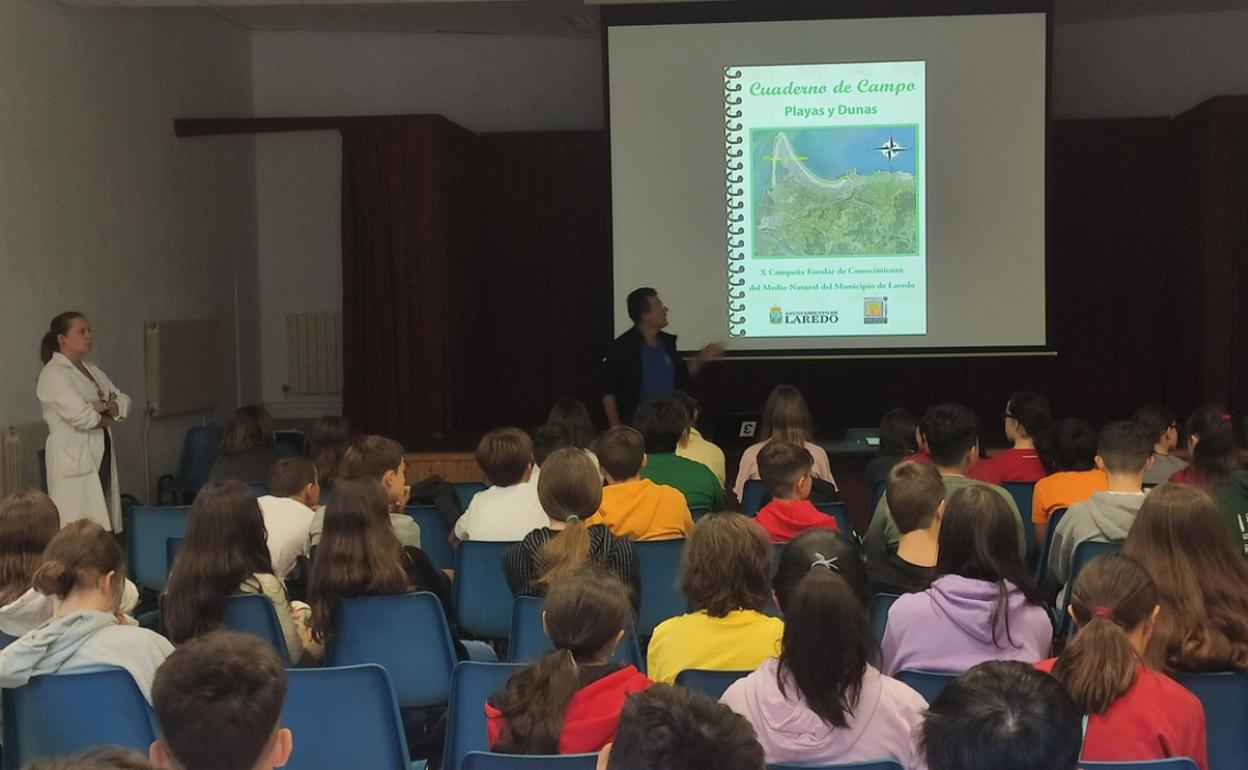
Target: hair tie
point(1226, 418)
point(1103, 612)
point(820, 561)
point(571, 519)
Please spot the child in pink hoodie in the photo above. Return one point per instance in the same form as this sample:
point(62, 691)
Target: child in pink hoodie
point(822, 701)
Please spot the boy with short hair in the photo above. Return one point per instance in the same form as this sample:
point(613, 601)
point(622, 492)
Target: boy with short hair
point(289, 509)
point(1161, 424)
point(662, 422)
point(1124, 451)
point(509, 509)
point(634, 507)
point(218, 699)
point(916, 499)
point(665, 727)
point(951, 433)
point(785, 469)
point(380, 458)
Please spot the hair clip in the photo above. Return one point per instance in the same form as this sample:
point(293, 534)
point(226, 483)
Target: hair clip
point(820, 561)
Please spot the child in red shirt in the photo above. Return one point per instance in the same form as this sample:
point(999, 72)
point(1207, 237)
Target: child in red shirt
point(1027, 415)
point(569, 700)
point(1133, 712)
point(785, 469)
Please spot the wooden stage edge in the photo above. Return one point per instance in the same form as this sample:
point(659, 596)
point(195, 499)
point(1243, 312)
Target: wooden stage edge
point(451, 466)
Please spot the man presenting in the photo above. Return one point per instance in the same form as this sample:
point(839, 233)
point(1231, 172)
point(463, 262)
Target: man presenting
point(643, 363)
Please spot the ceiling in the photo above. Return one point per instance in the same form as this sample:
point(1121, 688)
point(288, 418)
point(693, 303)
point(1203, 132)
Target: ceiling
point(562, 18)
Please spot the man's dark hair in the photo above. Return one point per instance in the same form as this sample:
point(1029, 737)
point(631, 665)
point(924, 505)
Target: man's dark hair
point(291, 475)
point(1002, 714)
point(674, 728)
point(1156, 420)
point(218, 699)
point(914, 492)
point(504, 454)
point(621, 451)
point(1124, 446)
point(950, 431)
point(639, 302)
point(686, 402)
point(546, 439)
point(781, 465)
point(897, 433)
point(1072, 447)
point(661, 422)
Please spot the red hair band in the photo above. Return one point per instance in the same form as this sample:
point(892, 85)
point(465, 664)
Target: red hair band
point(1103, 612)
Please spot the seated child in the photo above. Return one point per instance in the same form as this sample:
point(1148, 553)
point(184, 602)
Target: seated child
point(672, 728)
point(1027, 417)
point(1072, 459)
point(662, 423)
point(382, 459)
point(568, 701)
point(218, 700)
point(509, 509)
point(1160, 423)
point(916, 498)
point(785, 469)
point(693, 445)
point(288, 510)
point(1116, 604)
point(633, 507)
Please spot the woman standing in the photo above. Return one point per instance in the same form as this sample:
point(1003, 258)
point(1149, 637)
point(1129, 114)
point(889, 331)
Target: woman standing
point(80, 404)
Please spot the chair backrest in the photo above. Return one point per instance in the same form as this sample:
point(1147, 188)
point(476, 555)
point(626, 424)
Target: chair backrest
point(465, 491)
point(482, 598)
point(1225, 698)
point(483, 760)
point(1174, 763)
point(91, 709)
point(1022, 493)
point(1084, 553)
point(528, 640)
point(254, 614)
point(343, 717)
point(877, 494)
point(698, 511)
point(863, 436)
point(752, 496)
point(929, 684)
point(880, 604)
point(433, 535)
point(289, 442)
point(840, 512)
point(471, 686)
point(405, 634)
point(1042, 561)
point(712, 683)
point(884, 764)
point(173, 547)
point(659, 566)
point(149, 533)
point(257, 488)
point(200, 450)
point(6, 640)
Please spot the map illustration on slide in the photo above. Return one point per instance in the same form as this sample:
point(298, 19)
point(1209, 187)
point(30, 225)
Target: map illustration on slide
point(835, 191)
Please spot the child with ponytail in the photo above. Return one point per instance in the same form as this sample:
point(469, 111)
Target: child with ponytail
point(570, 490)
point(1132, 711)
point(822, 701)
point(83, 573)
point(569, 700)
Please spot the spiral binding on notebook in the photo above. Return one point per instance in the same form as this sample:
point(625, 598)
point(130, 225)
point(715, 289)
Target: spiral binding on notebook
point(735, 165)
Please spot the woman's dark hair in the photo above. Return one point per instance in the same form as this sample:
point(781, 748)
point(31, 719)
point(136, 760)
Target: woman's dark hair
point(1032, 411)
point(249, 427)
point(979, 541)
point(330, 437)
point(662, 423)
point(1214, 456)
point(359, 554)
point(897, 433)
point(77, 557)
point(1111, 597)
point(224, 546)
point(726, 565)
point(60, 325)
point(583, 616)
point(1156, 419)
point(28, 522)
point(1180, 540)
point(822, 589)
point(572, 416)
point(1070, 446)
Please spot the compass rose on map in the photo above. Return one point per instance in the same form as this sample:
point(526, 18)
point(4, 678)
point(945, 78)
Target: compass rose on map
point(891, 149)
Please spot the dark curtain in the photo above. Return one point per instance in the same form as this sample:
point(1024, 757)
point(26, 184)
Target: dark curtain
point(402, 210)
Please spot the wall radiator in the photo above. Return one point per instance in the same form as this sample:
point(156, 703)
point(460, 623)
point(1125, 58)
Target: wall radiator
point(19, 452)
point(314, 353)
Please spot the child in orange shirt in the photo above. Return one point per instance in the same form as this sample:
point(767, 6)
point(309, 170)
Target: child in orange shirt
point(785, 470)
point(1075, 476)
point(633, 507)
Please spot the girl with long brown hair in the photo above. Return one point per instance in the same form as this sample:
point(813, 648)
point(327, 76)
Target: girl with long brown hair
point(224, 552)
point(1133, 712)
point(568, 701)
point(570, 490)
point(1201, 577)
point(359, 555)
point(786, 418)
point(247, 448)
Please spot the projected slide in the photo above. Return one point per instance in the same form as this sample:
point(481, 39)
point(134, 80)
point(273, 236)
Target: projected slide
point(826, 199)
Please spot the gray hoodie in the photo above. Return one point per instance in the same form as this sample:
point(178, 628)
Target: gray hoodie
point(1106, 517)
point(32, 609)
point(84, 641)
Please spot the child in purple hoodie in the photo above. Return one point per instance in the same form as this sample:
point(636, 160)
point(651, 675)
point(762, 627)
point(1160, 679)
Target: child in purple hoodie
point(822, 701)
point(982, 604)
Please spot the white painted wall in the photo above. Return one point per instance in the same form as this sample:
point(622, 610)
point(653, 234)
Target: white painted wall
point(103, 210)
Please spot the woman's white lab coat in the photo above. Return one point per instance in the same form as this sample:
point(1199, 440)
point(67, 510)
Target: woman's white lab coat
point(75, 446)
